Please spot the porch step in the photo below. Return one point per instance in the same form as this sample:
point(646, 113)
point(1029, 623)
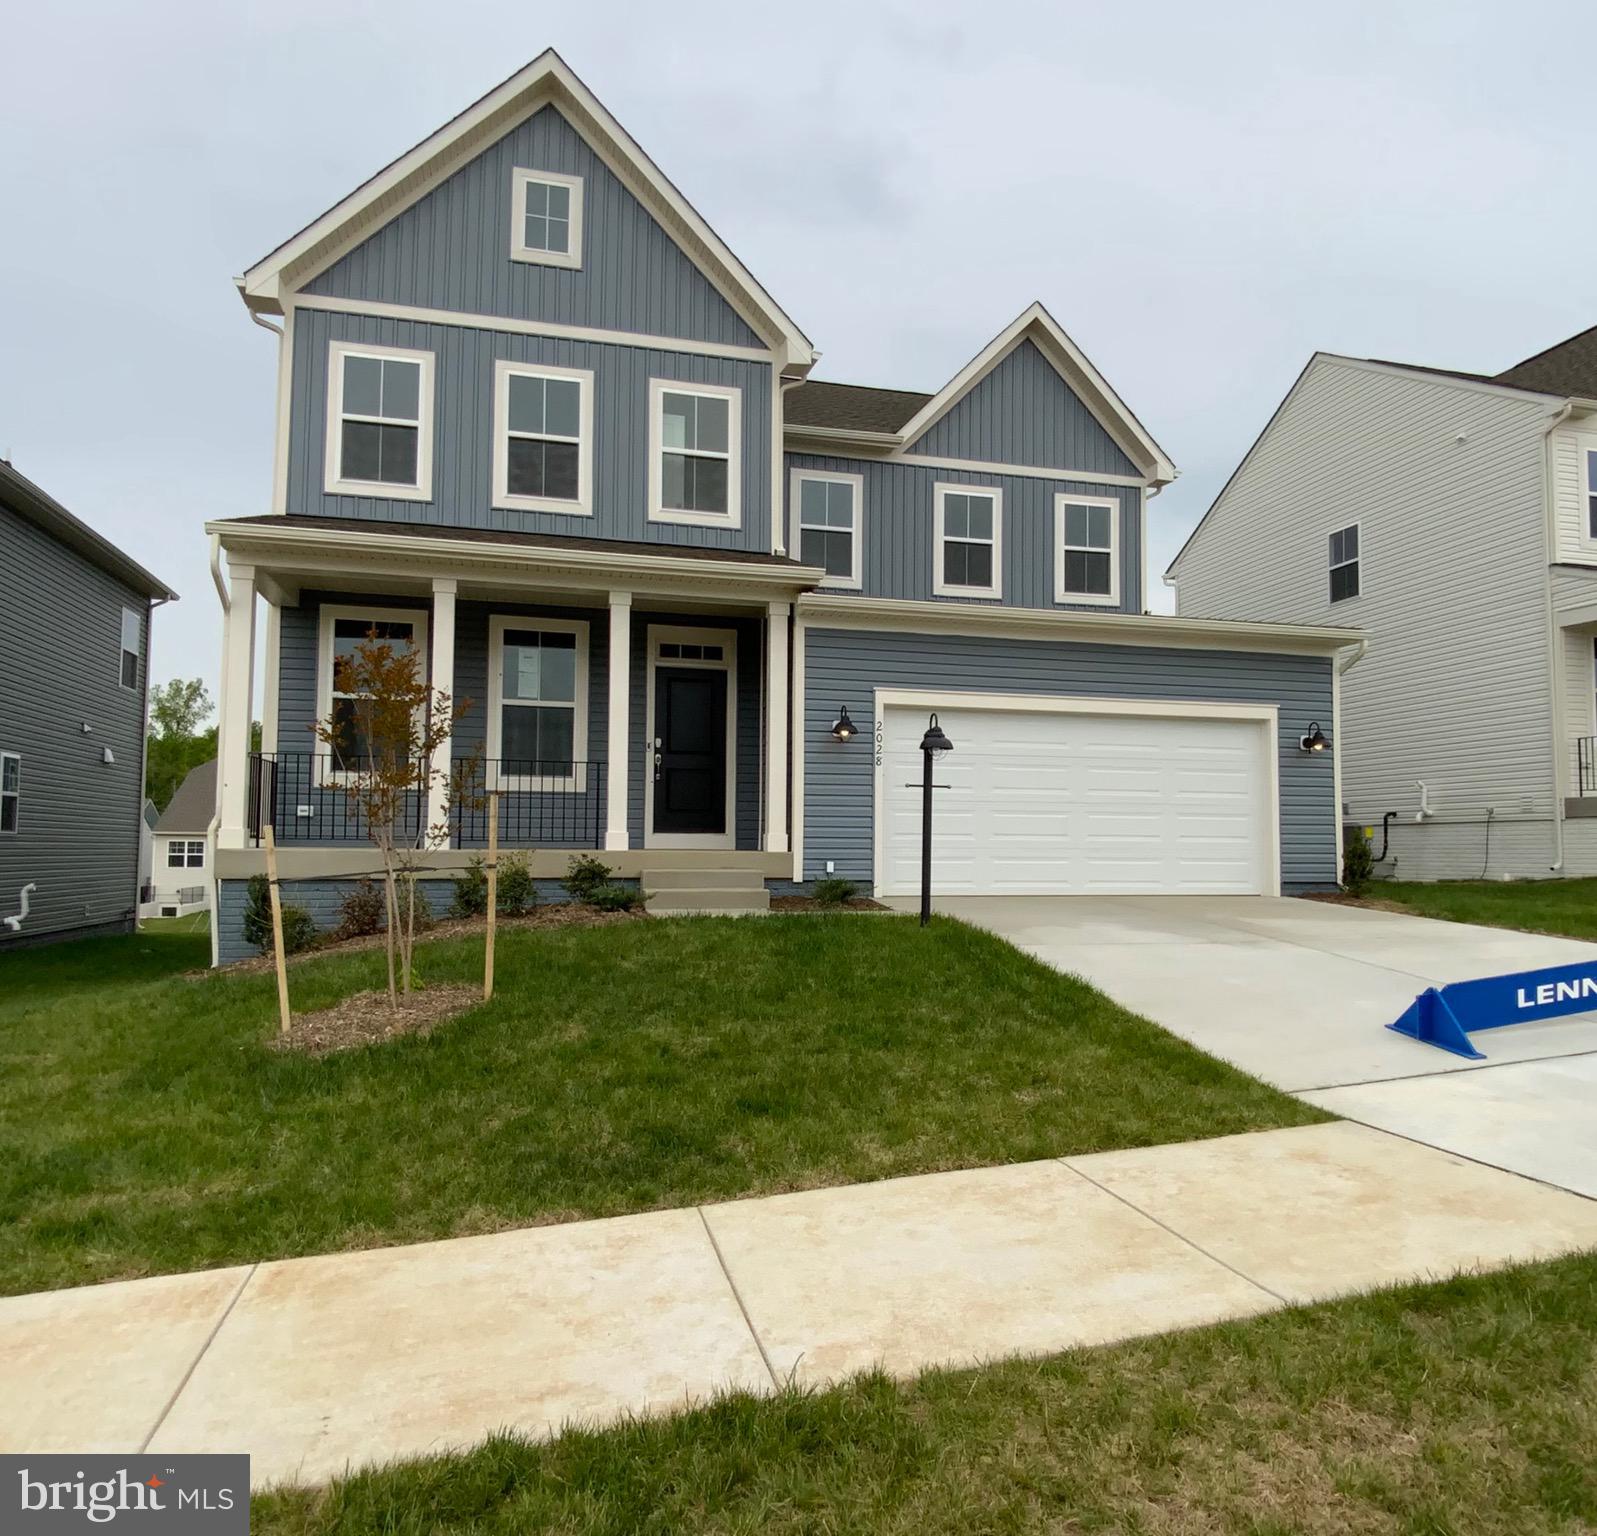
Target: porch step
point(701, 879)
point(726, 891)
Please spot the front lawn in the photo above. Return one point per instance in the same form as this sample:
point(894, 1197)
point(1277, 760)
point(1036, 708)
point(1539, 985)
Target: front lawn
point(1469, 1406)
point(1567, 907)
point(146, 1127)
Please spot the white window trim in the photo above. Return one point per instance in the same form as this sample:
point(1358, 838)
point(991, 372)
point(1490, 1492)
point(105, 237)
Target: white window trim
point(334, 482)
point(520, 178)
point(504, 369)
point(137, 653)
point(14, 794)
point(545, 783)
point(733, 516)
point(940, 493)
point(854, 580)
point(1357, 560)
point(326, 773)
point(186, 845)
point(1586, 474)
point(664, 634)
point(1063, 594)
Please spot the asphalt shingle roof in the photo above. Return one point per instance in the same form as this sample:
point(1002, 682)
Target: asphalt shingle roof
point(851, 407)
point(1568, 368)
point(192, 806)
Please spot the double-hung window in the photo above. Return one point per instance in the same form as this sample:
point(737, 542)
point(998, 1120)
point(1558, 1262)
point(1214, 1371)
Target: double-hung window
point(185, 853)
point(968, 545)
point(1591, 492)
point(1345, 563)
point(546, 218)
point(695, 454)
point(1086, 561)
point(827, 527)
point(537, 702)
point(10, 791)
point(379, 421)
point(343, 630)
point(132, 648)
point(543, 438)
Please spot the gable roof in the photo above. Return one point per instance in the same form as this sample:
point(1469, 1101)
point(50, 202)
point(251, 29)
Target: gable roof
point(1566, 368)
point(193, 803)
point(851, 407)
point(547, 80)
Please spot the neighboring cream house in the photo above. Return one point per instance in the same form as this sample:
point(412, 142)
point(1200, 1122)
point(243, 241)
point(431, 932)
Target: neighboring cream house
point(1451, 517)
point(182, 873)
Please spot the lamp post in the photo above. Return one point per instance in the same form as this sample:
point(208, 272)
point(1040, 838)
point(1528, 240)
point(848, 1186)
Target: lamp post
point(932, 745)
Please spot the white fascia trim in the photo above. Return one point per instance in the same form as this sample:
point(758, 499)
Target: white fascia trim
point(733, 516)
point(940, 493)
point(855, 578)
point(333, 481)
point(468, 320)
point(520, 179)
point(498, 623)
point(546, 80)
point(1110, 599)
point(1430, 376)
point(503, 498)
point(827, 611)
point(799, 432)
point(1072, 365)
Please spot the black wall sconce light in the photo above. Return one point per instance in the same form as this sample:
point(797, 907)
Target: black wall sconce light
point(844, 729)
point(1315, 740)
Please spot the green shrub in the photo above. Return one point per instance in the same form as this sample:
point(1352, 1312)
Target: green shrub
point(299, 930)
point(1358, 865)
point(614, 898)
point(516, 889)
point(585, 874)
point(834, 892)
point(363, 911)
point(299, 927)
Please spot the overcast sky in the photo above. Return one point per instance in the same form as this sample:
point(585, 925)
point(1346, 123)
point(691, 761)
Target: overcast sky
point(1202, 196)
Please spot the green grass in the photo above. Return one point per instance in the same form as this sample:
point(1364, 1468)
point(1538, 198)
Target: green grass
point(145, 1127)
point(1566, 907)
point(195, 922)
point(1469, 1406)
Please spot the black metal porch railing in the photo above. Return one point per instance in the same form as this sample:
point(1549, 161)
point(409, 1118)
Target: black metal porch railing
point(1586, 763)
point(306, 797)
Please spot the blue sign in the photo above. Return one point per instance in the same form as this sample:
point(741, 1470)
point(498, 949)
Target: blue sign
point(1445, 1016)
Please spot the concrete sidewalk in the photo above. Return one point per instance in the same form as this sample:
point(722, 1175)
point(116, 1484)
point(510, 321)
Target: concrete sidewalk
point(313, 1365)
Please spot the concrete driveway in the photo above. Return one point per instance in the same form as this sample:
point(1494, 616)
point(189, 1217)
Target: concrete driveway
point(1297, 993)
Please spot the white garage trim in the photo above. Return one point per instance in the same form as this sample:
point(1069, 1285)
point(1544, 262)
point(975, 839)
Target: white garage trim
point(1264, 716)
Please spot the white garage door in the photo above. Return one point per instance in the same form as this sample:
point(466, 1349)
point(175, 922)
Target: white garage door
point(1043, 802)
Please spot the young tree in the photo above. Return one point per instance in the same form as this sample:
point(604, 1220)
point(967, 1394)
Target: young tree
point(381, 737)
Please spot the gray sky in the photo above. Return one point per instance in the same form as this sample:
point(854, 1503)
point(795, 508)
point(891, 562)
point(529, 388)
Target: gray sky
point(1201, 199)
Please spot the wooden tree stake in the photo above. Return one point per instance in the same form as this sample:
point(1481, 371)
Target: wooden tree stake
point(278, 956)
point(493, 895)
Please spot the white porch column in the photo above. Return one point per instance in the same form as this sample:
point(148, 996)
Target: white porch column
point(274, 651)
point(776, 715)
point(442, 678)
point(233, 718)
point(618, 747)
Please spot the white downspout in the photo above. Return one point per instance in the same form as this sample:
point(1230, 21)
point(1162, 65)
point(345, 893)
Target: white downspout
point(221, 747)
point(1555, 648)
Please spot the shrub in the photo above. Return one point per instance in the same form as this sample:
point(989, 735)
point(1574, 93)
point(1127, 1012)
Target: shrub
point(362, 912)
point(516, 891)
point(586, 875)
point(614, 898)
point(1358, 866)
point(299, 927)
point(833, 891)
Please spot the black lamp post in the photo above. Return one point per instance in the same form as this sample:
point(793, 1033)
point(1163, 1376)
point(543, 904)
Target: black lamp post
point(932, 745)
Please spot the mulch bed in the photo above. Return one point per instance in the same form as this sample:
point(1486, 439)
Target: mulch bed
point(368, 1019)
point(810, 904)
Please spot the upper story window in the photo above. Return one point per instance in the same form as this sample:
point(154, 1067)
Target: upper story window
point(379, 421)
point(969, 532)
point(338, 701)
point(827, 523)
point(1086, 560)
point(132, 647)
point(695, 454)
point(546, 218)
point(10, 791)
point(543, 438)
point(537, 702)
point(1345, 563)
point(1591, 492)
point(185, 853)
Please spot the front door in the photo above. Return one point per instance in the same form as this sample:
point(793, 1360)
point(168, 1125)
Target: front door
point(690, 751)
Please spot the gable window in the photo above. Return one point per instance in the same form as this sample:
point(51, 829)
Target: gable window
point(537, 702)
point(132, 648)
point(10, 791)
point(1345, 563)
point(342, 631)
point(827, 522)
point(379, 421)
point(546, 218)
point(695, 458)
point(543, 438)
point(969, 530)
point(185, 853)
point(1086, 561)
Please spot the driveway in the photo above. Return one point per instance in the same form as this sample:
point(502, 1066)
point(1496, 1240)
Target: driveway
point(1297, 993)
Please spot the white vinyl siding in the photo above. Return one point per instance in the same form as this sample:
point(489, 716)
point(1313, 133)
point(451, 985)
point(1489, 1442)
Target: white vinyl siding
point(1573, 490)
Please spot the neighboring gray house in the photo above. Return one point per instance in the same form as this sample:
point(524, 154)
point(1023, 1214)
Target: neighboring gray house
point(74, 676)
point(1453, 518)
point(536, 420)
point(182, 863)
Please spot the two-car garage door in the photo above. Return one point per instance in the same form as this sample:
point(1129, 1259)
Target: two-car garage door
point(1044, 800)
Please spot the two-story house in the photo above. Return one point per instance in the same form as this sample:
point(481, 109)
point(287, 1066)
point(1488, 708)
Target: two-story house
point(1452, 517)
point(536, 420)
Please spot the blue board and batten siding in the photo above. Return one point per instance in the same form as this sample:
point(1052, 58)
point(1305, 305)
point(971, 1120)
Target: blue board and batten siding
point(451, 250)
point(847, 666)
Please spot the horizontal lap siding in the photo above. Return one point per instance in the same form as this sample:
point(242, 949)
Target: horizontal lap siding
point(451, 250)
point(463, 391)
point(845, 667)
point(61, 707)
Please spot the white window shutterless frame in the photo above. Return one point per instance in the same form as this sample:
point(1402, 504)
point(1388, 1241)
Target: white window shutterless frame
point(968, 541)
point(546, 218)
point(379, 422)
point(543, 438)
point(828, 524)
point(340, 630)
point(537, 702)
point(1086, 550)
point(695, 454)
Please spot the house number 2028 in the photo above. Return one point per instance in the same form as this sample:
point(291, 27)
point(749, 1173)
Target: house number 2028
point(881, 732)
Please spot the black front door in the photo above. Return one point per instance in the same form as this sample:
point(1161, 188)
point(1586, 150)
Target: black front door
point(690, 744)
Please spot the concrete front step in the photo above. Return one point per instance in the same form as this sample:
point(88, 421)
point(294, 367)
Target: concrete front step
point(703, 879)
point(707, 898)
